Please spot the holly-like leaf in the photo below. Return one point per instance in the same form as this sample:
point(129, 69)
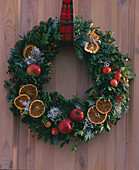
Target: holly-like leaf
point(91, 102)
point(75, 146)
point(80, 132)
point(107, 126)
point(131, 75)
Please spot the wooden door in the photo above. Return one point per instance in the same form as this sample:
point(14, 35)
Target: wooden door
point(116, 150)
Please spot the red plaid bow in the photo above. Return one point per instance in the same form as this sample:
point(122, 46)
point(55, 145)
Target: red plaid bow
point(66, 19)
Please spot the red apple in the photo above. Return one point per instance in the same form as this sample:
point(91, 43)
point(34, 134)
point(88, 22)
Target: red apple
point(106, 70)
point(77, 115)
point(65, 126)
point(117, 75)
point(114, 82)
point(33, 68)
point(54, 131)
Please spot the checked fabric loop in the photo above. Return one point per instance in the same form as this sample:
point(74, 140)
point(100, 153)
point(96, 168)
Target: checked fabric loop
point(66, 20)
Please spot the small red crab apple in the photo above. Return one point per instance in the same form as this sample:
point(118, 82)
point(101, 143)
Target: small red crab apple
point(55, 131)
point(65, 126)
point(114, 82)
point(77, 115)
point(106, 70)
point(117, 75)
point(33, 68)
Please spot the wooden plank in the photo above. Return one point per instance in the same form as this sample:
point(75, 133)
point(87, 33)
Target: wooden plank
point(65, 76)
point(135, 87)
point(82, 84)
point(7, 40)
point(103, 146)
point(133, 137)
point(122, 41)
point(24, 135)
point(50, 9)
point(98, 13)
point(66, 85)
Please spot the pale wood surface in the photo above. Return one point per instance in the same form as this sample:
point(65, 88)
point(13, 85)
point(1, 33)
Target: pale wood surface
point(117, 150)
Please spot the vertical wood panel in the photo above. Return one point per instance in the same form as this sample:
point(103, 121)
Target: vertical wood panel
point(103, 146)
point(7, 40)
point(23, 134)
point(136, 90)
point(122, 41)
point(133, 138)
point(117, 149)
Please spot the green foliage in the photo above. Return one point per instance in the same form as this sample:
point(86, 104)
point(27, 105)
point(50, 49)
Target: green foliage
point(46, 37)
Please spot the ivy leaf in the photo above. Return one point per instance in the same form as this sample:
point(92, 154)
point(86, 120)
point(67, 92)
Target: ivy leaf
point(109, 88)
point(62, 144)
point(88, 90)
point(102, 129)
point(131, 75)
point(91, 102)
point(107, 126)
point(55, 140)
point(6, 84)
point(80, 132)
point(75, 146)
point(46, 137)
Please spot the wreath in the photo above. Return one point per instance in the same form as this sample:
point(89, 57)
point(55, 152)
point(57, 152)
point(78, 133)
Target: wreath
point(49, 115)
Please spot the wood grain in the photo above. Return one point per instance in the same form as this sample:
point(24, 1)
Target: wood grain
point(7, 39)
point(116, 150)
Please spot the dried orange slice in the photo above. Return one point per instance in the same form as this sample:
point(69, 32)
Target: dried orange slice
point(27, 50)
point(103, 106)
point(36, 108)
point(94, 116)
point(91, 47)
point(30, 90)
point(18, 101)
point(94, 36)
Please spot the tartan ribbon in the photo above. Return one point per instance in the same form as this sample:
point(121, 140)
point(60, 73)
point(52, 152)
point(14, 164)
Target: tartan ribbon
point(66, 20)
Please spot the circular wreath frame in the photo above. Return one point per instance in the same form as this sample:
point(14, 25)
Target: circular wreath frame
point(46, 37)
